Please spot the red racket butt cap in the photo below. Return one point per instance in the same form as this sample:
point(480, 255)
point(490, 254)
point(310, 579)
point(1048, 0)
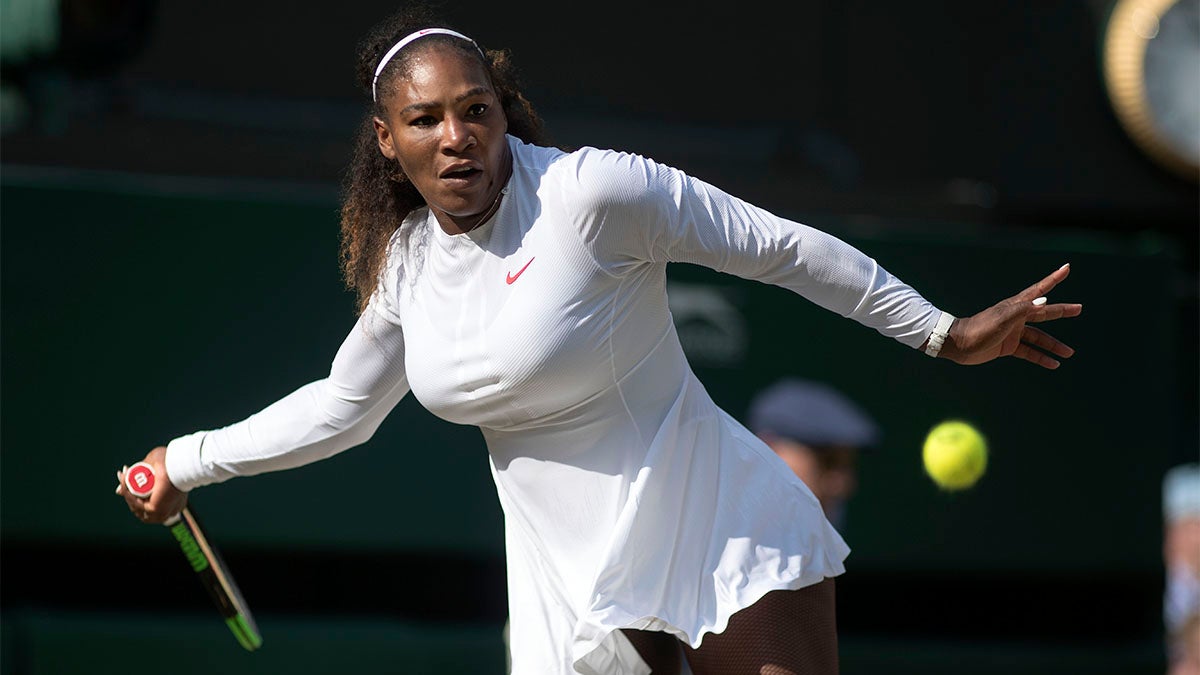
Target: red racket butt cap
point(139, 480)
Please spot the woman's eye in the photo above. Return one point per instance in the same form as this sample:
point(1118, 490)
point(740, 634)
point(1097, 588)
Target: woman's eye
point(477, 110)
point(423, 121)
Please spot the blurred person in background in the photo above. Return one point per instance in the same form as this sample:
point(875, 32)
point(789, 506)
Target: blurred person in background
point(521, 288)
point(820, 433)
point(1181, 557)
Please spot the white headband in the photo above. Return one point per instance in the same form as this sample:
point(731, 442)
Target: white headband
point(409, 38)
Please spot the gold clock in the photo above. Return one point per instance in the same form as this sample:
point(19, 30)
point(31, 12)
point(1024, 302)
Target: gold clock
point(1151, 66)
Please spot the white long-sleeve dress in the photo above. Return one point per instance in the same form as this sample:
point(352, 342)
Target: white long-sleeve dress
point(630, 499)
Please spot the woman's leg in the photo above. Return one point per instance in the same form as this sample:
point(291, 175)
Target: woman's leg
point(659, 650)
point(784, 633)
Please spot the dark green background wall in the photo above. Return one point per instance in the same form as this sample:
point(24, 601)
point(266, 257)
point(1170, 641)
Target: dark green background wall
point(168, 260)
point(131, 318)
point(135, 312)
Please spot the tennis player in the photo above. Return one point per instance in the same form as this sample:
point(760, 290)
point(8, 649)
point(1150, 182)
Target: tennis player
point(521, 288)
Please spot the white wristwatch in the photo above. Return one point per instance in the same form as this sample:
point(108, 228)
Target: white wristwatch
point(938, 336)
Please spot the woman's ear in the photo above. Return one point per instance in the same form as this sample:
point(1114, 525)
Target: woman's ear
point(384, 136)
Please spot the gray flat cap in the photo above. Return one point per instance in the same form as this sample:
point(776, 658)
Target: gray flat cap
point(811, 413)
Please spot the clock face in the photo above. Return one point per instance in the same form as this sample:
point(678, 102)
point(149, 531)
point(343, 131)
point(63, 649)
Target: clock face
point(1152, 69)
point(1173, 78)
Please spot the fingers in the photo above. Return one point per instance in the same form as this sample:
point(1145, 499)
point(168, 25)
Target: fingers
point(1037, 310)
point(1033, 337)
point(165, 501)
point(123, 490)
point(1061, 310)
point(1032, 355)
point(1040, 339)
point(138, 506)
point(1043, 287)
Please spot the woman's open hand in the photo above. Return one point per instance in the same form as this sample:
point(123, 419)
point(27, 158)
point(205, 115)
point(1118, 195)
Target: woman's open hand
point(1003, 329)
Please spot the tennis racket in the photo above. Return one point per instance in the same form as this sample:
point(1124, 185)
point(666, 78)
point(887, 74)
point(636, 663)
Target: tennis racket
point(205, 561)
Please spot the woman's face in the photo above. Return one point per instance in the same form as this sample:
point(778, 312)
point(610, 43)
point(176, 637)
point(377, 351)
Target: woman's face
point(445, 127)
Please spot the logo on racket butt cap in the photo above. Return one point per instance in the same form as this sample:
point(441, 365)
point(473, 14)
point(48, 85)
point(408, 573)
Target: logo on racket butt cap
point(139, 480)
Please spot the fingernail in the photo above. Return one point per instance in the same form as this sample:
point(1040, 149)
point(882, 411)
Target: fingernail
point(1038, 302)
point(118, 490)
point(1065, 266)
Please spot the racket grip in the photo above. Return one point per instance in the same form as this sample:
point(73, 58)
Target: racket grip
point(139, 480)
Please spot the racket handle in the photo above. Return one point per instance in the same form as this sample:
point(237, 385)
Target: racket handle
point(139, 480)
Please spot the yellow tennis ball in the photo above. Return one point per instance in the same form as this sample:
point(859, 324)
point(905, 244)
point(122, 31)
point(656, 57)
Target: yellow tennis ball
point(955, 454)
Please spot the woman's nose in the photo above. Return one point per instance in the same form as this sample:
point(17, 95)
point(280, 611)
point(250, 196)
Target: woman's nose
point(457, 134)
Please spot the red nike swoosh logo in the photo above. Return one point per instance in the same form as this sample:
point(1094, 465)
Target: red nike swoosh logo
point(510, 277)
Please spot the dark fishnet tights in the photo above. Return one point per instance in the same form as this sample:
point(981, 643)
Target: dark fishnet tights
point(784, 633)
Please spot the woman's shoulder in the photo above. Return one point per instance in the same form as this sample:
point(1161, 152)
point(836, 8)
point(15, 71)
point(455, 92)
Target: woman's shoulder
point(592, 173)
point(574, 159)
